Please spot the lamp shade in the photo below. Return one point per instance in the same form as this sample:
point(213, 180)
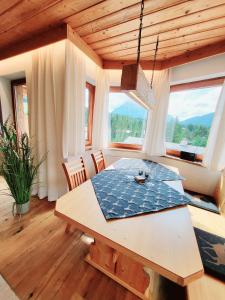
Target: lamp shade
point(135, 83)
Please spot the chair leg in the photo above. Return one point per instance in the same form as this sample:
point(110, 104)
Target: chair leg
point(68, 226)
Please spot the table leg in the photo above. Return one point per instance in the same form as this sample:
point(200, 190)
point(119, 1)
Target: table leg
point(121, 268)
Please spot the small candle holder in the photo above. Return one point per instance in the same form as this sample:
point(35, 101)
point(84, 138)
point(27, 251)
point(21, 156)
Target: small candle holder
point(146, 175)
point(140, 172)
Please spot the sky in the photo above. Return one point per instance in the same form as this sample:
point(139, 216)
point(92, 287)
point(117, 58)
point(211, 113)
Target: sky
point(116, 101)
point(191, 103)
point(183, 104)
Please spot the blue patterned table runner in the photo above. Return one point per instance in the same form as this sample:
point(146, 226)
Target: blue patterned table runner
point(156, 171)
point(119, 196)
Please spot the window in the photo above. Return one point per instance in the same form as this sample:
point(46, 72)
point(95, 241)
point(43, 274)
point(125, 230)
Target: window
point(190, 115)
point(20, 105)
point(127, 121)
point(89, 108)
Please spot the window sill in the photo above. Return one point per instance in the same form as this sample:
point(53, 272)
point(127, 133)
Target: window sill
point(124, 150)
point(196, 163)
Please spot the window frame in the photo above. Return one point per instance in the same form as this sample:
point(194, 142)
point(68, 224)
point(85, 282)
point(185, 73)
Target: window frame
point(1, 115)
point(117, 89)
point(190, 86)
point(14, 83)
point(91, 88)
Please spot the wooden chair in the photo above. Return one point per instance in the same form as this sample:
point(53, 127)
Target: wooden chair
point(76, 174)
point(99, 161)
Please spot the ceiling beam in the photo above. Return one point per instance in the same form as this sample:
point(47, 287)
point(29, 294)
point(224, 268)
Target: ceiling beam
point(83, 46)
point(45, 38)
point(118, 65)
point(197, 54)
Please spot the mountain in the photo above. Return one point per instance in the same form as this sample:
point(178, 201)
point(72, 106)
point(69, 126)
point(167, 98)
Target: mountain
point(130, 109)
point(204, 120)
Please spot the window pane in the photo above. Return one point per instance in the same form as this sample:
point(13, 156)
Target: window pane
point(21, 102)
point(190, 117)
point(87, 105)
point(127, 120)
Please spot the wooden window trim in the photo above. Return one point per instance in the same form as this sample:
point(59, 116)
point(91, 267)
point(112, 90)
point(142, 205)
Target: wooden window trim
point(1, 116)
point(117, 89)
point(91, 89)
point(16, 82)
point(125, 146)
point(189, 86)
point(197, 84)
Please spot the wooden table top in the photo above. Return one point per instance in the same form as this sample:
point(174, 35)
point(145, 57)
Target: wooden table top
point(163, 241)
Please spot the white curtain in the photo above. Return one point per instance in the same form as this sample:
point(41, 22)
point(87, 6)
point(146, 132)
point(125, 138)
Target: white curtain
point(74, 102)
point(100, 118)
point(154, 143)
point(214, 157)
point(45, 82)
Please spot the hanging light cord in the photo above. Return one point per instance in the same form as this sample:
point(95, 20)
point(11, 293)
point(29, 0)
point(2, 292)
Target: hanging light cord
point(154, 61)
point(140, 30)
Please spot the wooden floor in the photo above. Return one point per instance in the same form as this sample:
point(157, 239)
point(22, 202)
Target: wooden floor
point(40, 261)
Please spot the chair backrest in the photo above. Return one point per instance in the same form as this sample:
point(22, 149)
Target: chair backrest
point(75, 172)
point(99, 161)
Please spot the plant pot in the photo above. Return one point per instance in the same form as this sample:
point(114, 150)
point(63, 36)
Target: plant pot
point(21, 209)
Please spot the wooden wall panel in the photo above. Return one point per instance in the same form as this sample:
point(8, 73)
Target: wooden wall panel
point(43, 20)
point(199, 31)
point(170, 13)
point(23, 11)
point(6, 5)
point(149, 50)
point(99, 11)
point(125, 15)
point(193, 20)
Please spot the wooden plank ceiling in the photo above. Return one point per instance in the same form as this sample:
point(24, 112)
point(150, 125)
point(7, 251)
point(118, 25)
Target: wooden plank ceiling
point(187, 29)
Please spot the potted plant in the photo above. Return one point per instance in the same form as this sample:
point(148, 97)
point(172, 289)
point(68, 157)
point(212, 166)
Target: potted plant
point(17, 166)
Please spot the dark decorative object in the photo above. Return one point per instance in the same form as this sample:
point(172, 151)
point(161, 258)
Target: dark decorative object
point(187, 156)
point(212, 250)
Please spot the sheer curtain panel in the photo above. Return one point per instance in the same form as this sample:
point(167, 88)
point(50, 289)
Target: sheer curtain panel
point(154, 143)
point(100, 118)
point(74, 102)
point(45, 80)
point(214, 157)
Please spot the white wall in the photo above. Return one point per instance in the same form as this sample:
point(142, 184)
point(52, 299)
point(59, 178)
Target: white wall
point(6, 98)
point(198, 70)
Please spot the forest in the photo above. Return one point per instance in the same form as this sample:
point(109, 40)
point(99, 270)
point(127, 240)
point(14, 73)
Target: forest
point(123, 127)
point(195, 135)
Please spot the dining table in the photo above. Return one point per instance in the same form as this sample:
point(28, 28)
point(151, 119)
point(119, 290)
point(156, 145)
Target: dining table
point(135, 251)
